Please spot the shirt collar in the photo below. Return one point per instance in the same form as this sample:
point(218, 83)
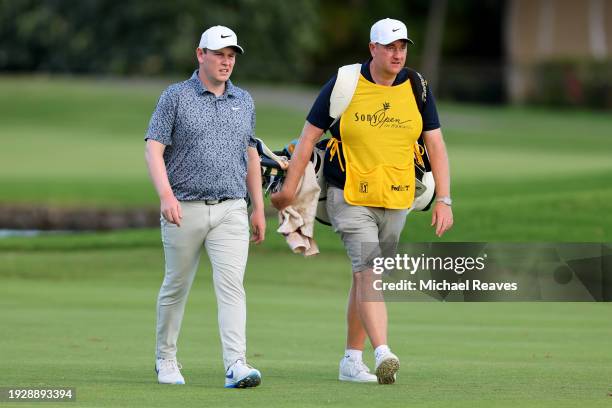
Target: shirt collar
point(399, 78)
point(230, 89)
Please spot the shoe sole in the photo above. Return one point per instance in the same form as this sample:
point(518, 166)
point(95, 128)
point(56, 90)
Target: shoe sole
point(351, 379)
point(385, 373)
point(250, 381)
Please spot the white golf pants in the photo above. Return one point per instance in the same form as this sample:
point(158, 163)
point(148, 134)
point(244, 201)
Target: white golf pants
point(224, 230)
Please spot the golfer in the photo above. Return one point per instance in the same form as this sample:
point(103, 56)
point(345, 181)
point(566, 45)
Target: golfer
point(201, 159)
point(371, 181)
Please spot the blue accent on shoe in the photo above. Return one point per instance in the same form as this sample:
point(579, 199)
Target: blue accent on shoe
point(230, 375)
point(252, 379)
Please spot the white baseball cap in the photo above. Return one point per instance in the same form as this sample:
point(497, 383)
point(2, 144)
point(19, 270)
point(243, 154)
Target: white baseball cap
point(218, 37)
point(387, 30)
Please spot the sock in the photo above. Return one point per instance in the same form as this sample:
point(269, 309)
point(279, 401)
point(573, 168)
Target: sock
point(380, 350)
point(353, 354)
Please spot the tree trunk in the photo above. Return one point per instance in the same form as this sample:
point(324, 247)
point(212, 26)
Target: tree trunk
point(433, 40)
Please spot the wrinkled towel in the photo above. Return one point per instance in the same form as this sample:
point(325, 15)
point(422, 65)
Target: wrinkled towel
point(297, 220)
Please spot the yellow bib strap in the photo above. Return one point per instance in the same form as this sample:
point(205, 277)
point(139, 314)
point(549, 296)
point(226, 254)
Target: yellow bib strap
point(419, 151)
point(334, 149)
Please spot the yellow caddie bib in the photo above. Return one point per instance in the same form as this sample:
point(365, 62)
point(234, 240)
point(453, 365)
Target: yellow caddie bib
point(379, 129)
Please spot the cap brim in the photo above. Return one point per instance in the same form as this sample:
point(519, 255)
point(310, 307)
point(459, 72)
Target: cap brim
point(405, 39)
point(235, 47)
point(238, 48)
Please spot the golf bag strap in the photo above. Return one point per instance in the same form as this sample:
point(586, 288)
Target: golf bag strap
point(343, 91)
point(346, 83)
point(419, 88)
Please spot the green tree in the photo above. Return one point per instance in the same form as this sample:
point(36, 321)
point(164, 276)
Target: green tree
point(154, 37)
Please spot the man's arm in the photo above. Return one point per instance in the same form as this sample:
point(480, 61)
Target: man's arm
point(442, 214)
point(169, 205)
point(299, 159)
point(258, 219)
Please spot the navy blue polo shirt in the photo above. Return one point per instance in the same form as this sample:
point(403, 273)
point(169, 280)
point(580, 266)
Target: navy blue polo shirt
point(319, 117)
point(206, 138)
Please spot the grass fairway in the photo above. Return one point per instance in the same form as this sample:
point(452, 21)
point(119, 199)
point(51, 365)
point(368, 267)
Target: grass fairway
point(77, 142)
point(85, 318)
point(79, 310)
point(517, 174)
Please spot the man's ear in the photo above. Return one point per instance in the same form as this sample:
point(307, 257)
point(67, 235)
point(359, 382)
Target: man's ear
point(200, 54)
point(372, 47)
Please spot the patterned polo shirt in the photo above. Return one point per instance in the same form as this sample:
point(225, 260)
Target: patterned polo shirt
point(206, 139)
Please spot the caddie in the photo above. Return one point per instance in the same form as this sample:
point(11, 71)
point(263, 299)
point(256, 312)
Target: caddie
point(370, 171)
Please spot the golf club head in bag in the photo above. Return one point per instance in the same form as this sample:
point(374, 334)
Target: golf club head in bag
point(273, 168)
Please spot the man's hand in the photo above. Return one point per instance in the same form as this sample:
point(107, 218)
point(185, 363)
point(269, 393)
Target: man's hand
point(299, 159)
point(169, 205)
point(442, 218)
point(171, 209)
point(281, 199)
point(258, 226)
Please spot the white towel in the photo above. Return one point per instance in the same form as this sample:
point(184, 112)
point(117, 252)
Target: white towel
point(297, 220)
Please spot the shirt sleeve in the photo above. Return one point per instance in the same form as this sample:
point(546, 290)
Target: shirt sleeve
point(430, 113)
point(162, 121)
point(319, 113)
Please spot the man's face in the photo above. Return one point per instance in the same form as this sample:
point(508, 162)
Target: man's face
point(217, 64)
point(389, 58)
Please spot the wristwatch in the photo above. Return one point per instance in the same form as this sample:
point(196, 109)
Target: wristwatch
point(445, 200)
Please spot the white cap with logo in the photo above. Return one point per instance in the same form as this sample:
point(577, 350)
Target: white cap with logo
point(218, 37)
point(387, 30)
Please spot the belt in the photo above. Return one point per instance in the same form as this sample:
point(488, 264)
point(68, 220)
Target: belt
point(214, 202)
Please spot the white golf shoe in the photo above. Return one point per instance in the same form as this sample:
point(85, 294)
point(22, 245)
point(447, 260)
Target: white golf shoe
point(355, 371)
point(242, 375)
point(387, 366)
point(168, 371)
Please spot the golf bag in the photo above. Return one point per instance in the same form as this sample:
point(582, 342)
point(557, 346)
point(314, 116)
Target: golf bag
point(317, 159)
point(273, 167)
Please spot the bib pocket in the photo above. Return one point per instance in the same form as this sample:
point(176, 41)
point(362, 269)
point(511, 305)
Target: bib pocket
point(398, 186)
point(363, 188)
